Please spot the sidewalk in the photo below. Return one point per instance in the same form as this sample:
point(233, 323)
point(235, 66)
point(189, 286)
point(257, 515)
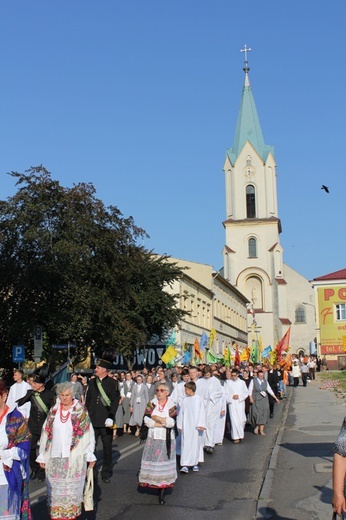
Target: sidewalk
point(298, 484)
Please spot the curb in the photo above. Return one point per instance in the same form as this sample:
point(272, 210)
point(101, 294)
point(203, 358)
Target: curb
point(264, 497)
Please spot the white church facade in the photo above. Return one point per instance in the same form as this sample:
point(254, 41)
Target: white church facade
point(253, 256)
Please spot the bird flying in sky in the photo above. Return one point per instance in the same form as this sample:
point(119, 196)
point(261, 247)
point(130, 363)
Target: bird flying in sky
point(325, 188)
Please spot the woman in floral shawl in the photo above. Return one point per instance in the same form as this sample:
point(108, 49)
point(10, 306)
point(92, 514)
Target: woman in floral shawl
point(66, 447)
point(14, 467)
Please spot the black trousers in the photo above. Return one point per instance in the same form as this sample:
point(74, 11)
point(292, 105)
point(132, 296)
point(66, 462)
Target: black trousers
point(304, 378)
point(34, 466)
point(271, 404)
point(106, 435)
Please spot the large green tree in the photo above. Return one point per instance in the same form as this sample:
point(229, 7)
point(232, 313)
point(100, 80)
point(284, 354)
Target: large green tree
point(76, 267)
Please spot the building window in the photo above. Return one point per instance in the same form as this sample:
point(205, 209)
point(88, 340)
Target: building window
point(300, 314)
point(340, 310)
point(250, 201)
point(252, 248)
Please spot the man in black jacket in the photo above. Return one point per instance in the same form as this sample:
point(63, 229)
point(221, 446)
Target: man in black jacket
point(41, 401)
point(273, 379)
point(102, 401)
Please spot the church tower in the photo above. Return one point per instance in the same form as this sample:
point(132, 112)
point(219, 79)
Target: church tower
point(253, 255)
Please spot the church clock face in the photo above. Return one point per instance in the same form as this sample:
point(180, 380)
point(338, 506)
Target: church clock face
point(249, 171)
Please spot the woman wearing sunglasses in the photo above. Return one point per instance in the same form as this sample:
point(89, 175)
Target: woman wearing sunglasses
point(158, 466)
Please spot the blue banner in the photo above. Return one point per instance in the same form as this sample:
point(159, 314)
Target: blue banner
point(203, 341)
point(266, 351)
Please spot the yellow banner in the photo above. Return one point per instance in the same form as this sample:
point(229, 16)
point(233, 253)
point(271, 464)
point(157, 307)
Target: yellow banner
point(212, 336)
point(245, 355)
point(332, 321)
point(169, 354)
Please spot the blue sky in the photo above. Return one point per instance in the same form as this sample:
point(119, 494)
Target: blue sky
point(140, 97)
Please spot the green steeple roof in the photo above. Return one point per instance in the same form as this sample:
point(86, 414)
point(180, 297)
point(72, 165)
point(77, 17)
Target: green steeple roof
point(248, 125)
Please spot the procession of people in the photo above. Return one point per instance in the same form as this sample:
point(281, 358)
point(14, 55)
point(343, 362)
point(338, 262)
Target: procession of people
point(181, 412)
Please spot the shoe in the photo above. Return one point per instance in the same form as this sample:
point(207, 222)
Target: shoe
point(161, 497)
point(184, 469)
point(41, 478)
point(195, 468)
point(271, 415)
point(236, 441)
point(106, 480)
point(209, 450)
point(33, 475)
point(256, 430)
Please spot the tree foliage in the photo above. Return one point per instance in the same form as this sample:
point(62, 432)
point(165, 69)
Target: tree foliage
point(76, 267)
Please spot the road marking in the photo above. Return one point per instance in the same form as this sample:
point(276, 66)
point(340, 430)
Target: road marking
point(130, 447)
point(131, 450)
point(324, 467)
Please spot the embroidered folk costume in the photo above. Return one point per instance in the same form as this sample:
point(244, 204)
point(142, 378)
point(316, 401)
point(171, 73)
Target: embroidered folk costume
point(67, 443)
point(158, 466)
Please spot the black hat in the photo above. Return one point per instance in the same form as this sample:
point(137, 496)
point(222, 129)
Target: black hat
point(103, 363)
point(38, 378)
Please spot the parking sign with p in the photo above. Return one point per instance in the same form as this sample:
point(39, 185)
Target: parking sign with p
point(18, 353)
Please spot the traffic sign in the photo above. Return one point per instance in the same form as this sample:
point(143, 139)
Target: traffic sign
point(71, 345)
point(38, 343)
point(18, 353)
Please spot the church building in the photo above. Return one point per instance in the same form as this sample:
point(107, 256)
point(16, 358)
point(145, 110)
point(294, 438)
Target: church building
point(253, 256)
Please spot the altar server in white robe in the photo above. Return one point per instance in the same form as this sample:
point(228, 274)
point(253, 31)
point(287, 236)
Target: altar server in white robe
point(191, 423)
point(236, 394)
point(221, 422)
point(178, 395)
point(200, 381)
point(17, 391)
point(213, 394)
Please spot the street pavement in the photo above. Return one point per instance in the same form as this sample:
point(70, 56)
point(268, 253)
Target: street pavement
point(298, 483)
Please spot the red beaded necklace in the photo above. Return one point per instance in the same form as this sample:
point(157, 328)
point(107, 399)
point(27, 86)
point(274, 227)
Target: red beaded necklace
point(161, 408)
point(64, 418)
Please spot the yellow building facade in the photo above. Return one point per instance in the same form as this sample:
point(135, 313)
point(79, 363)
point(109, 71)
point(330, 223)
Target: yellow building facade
point(330, 294)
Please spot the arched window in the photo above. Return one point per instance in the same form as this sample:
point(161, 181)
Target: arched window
point(300, 314)
point(250, 201)
point(252, 248)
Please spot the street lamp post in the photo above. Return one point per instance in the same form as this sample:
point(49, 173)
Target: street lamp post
point(311, 305)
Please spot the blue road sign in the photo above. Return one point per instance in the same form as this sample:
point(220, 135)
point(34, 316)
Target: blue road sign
point(18, 353)
point(64, 346)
